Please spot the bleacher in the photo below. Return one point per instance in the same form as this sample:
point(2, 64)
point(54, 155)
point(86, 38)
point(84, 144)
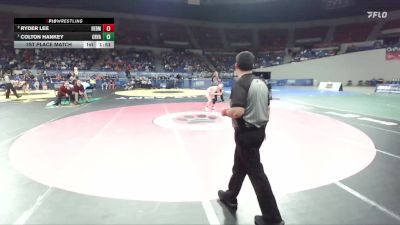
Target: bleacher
point(269, 59)
point(7, 56)
point(133, 32)
point(139, 32)
point(273, 39)
point(6, 27)
point(308, 54)
point(239, 37)
point(173, 35)
point(222, 62)
point(390, 31)
point(312, 34)
point(49, 59)
point(348, 33)
point(392, 24)
point(207, 37)
point(183, 61)
point(134, 60)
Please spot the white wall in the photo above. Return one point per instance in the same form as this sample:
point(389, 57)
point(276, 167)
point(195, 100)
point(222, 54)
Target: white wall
point(341, 68)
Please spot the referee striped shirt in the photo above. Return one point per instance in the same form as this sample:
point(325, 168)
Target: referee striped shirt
point(251, 92)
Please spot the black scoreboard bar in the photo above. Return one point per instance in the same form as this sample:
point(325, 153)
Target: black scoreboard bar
point(59, 36)
point(57, 28)
point(64, 33)
point(63, 20)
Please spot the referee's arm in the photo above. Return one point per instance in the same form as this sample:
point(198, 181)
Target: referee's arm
point(238, 103)
point(234, 112)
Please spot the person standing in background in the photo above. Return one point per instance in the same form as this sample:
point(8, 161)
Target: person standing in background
point(64, 90)
point(217, 81)
point(26, 83)
point(214, 79)
point(9, 86)
point(104, 83)
point(36, 84)
point(92, 82)
point(250, 114)
point(79, 91)
point(221, 89)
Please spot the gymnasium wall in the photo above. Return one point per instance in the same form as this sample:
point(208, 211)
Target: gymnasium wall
point(341, 68)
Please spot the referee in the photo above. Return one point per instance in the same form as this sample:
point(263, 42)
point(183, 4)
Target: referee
point(250, 113)
point(9, 86)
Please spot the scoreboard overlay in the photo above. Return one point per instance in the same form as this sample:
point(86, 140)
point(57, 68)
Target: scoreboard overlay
point(94, 33)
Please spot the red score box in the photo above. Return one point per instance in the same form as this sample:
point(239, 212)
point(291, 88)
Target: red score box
point(108, 27)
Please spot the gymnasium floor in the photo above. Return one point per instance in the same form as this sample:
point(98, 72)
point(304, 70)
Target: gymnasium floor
point(158, 158)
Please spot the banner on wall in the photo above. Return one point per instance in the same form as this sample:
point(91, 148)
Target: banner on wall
point(85, 73)
point(388, 88)
point(292, 82)
point(393, 53)
point(330, 86)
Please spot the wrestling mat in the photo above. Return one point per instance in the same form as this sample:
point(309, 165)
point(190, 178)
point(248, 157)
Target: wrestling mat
point(161, 93)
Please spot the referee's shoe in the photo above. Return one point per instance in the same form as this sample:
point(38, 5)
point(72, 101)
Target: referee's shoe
point(259, 220)
point(226, 200)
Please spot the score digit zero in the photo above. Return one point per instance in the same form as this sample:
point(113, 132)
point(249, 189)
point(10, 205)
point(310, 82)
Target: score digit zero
point(108, 36)
point(108, 27)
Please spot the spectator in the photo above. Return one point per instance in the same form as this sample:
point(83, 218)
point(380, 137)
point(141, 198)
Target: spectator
point(104, 84)
point(183, 61)
point(79, 91)
point(65, 91)
point(36, 84)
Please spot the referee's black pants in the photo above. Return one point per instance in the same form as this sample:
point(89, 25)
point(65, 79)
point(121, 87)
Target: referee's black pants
point(247, 162)
point(9, 87)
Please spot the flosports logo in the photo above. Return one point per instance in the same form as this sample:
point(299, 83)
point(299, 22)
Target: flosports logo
point(377, 14)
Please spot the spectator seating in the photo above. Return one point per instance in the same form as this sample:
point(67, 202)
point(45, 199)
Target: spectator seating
point(183, 61)
point(133, 32)
point(134, 60)
point(269, 59)
point(311, 33)
point(273, 39)
point(222, 62)
point(239, 36)
point(392, 24)
point(307, 54)
point(207, 37)
point(348, 33)
point(169, 33)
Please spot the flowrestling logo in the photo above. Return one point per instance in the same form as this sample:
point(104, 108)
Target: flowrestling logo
point(377, 14)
